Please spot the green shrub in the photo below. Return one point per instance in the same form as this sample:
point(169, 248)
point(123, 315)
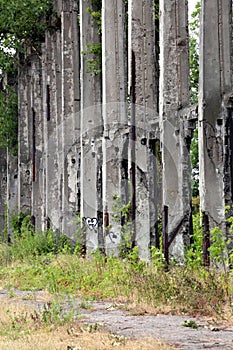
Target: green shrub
point(193, 255)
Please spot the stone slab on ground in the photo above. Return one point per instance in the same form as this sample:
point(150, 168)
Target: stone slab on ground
point(115, 318)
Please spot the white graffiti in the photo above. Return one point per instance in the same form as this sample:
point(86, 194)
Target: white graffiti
point(91, 222)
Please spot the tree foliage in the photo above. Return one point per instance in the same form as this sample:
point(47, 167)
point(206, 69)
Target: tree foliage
point(8, 120)
point(22, 23)
point(93, 51)
point(194, 82)
point(194, 52)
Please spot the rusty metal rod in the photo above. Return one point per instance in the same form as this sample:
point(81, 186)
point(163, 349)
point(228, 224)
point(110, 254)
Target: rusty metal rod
point(206, 240)
point(48, 102)
point(33, 146)
point(165, 234)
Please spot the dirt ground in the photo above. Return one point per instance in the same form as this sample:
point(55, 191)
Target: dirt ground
point(168, 328)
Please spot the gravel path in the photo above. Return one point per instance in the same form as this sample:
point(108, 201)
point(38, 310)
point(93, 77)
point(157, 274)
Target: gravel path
point(117, 320)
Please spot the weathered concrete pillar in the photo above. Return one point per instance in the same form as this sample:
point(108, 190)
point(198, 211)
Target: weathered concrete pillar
point(3, 192)
point(43, 172)
point(24, 139)
point(36, 139)
point(9, 191)
point(51, 87)
point(70, 123)
point(142, 54)
point(114, 114)
point(175, 139)
point(12, 191)
point(91, 134)
point(8, 175)
point(215, 82)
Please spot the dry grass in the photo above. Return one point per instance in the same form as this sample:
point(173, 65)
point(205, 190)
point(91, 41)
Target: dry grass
point(60, 340)
point(144, 309)
point(21, 328)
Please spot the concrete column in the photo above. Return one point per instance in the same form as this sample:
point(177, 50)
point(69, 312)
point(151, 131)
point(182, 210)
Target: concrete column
point(51, 166)
point(12, 191)
point(142, 45)
point(24, 140)
point(114, 113)
point(3, 192)
point(9, 191)
point(174, 96)
point(215, 82)
point(43, 161)
point(37, 139)
point(70, 123)
point(91, 134)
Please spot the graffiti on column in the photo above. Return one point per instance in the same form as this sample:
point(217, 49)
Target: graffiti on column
point(113, 238)
point(91, 222)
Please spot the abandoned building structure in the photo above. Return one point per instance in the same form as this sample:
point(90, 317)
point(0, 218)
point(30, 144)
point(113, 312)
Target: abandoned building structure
point(98, 132)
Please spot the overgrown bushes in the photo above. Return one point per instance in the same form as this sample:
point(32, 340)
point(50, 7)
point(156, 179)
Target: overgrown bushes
point(48, 261)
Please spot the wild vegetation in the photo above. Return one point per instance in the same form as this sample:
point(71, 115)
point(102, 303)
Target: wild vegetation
point(194, 79)
point(53, 263)
point(44, 261)
point(25, 328)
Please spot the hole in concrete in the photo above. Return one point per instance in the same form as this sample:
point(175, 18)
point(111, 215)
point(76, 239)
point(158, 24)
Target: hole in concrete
point(219, 122)
point(28, 172)
point(15, 176)
point(73, 161)
point(143, 141)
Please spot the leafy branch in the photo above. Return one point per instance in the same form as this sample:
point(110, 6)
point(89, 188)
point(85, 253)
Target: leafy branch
point(22, 24)
point(8, 119)
point(93, 51)
point(194, 82)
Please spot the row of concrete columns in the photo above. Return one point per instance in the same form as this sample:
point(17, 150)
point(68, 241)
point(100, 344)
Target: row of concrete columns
point(86, 138)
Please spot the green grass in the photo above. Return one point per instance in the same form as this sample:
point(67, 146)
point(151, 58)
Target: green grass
point(180, 289)
point(45, 262)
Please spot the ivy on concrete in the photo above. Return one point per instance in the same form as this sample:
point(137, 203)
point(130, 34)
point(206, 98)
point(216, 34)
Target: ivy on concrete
point(93, 51)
